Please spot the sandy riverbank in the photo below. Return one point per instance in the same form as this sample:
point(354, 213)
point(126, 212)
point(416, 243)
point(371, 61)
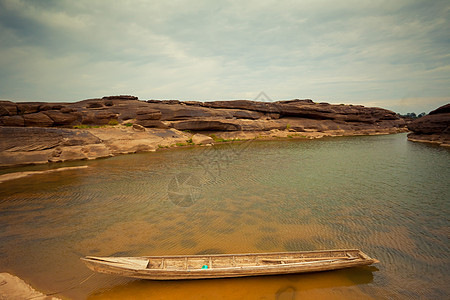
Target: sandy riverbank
point(18, 175)
point(14, 288)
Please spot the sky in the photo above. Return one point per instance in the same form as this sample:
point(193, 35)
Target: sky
point(390, 54)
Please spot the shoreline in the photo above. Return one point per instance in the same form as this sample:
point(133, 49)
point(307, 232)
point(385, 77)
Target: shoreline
point(38, 132)
point(106, 142)
point(429, 139)
point(19, 175)
point(13, 287)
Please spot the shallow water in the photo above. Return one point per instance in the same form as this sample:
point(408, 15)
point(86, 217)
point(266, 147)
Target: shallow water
point(382, 194)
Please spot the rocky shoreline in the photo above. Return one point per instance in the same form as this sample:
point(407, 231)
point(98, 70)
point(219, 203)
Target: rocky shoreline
point(433, 128)
point(38, 132)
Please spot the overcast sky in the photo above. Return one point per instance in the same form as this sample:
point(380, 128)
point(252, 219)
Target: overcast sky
point(392, 54)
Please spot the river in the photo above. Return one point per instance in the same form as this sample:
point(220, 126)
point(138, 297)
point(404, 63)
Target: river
point(381, 194)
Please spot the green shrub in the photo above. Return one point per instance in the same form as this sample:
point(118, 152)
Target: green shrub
point(113, 122)
point(85, 126)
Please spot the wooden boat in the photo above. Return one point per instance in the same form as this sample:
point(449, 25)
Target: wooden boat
point(227, 265)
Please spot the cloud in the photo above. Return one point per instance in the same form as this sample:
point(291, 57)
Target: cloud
point(334, 51)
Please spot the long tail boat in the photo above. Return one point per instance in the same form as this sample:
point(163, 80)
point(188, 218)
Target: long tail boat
point(175, 267)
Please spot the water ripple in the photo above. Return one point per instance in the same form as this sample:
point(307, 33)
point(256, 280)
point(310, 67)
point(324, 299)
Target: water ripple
point(382, 194)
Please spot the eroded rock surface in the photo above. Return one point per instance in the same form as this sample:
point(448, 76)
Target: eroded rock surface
point(201, 116)
point(34, 145)
point(432, 128)
point(37, 132)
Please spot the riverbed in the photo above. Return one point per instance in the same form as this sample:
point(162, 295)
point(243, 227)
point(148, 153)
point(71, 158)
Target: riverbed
point(382, 194)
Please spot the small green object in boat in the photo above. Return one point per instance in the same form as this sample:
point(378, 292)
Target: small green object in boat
point(205, 267)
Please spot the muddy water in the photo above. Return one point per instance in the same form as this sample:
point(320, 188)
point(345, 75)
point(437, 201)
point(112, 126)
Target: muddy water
point(382, 194)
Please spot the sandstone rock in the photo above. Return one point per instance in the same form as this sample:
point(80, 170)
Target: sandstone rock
point(245, 114)
point(434, 127)
point(299, 109)
point(14, 139)
point(94, 112)
point(60, 118)
point(12, 121)
point(151, 123)
point(94, 105)
point(120, 97)
point(237, 117)
point(80, 153)
point(37, 120)
point(272, 115)
point(173, 112)
point(205, 125)
point(193, 103)
point(78, 138)
point(170, 102)
point(202, 139)
point(67, 154)
point(50, 106)
point(93, 151)
point(302, 101)
point(440, 139)
point(18, 158)
point(33, 145)
point(148, 114)
point(88, 118)
point(138, 127)
point(260, 125)
point(431, 124)
point(67, 110)
point(131, 146)
point(324, 111)
point(267, 107)
point(8, 108)
point(126, 115)
point(28, 107)
point(445, 109)
point(98, 118)
point(108, 115)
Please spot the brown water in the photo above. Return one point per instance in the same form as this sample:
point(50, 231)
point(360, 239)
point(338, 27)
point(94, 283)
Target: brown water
point(382, 194)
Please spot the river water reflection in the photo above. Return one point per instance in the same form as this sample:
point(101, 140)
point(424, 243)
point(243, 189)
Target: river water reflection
point(382, 194)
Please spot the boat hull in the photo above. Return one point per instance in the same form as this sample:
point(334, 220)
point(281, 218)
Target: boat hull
point(227, 266)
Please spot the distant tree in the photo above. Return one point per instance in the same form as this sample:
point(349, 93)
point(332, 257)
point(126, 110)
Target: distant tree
point(421, 115)
point(412, 115)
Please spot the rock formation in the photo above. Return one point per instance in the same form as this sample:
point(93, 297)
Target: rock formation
point(432, 128)
point(35, 145)
point(36, 132)
point(232, 115)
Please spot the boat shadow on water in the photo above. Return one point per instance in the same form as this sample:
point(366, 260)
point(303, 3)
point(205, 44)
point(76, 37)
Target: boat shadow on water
point(343, 284)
